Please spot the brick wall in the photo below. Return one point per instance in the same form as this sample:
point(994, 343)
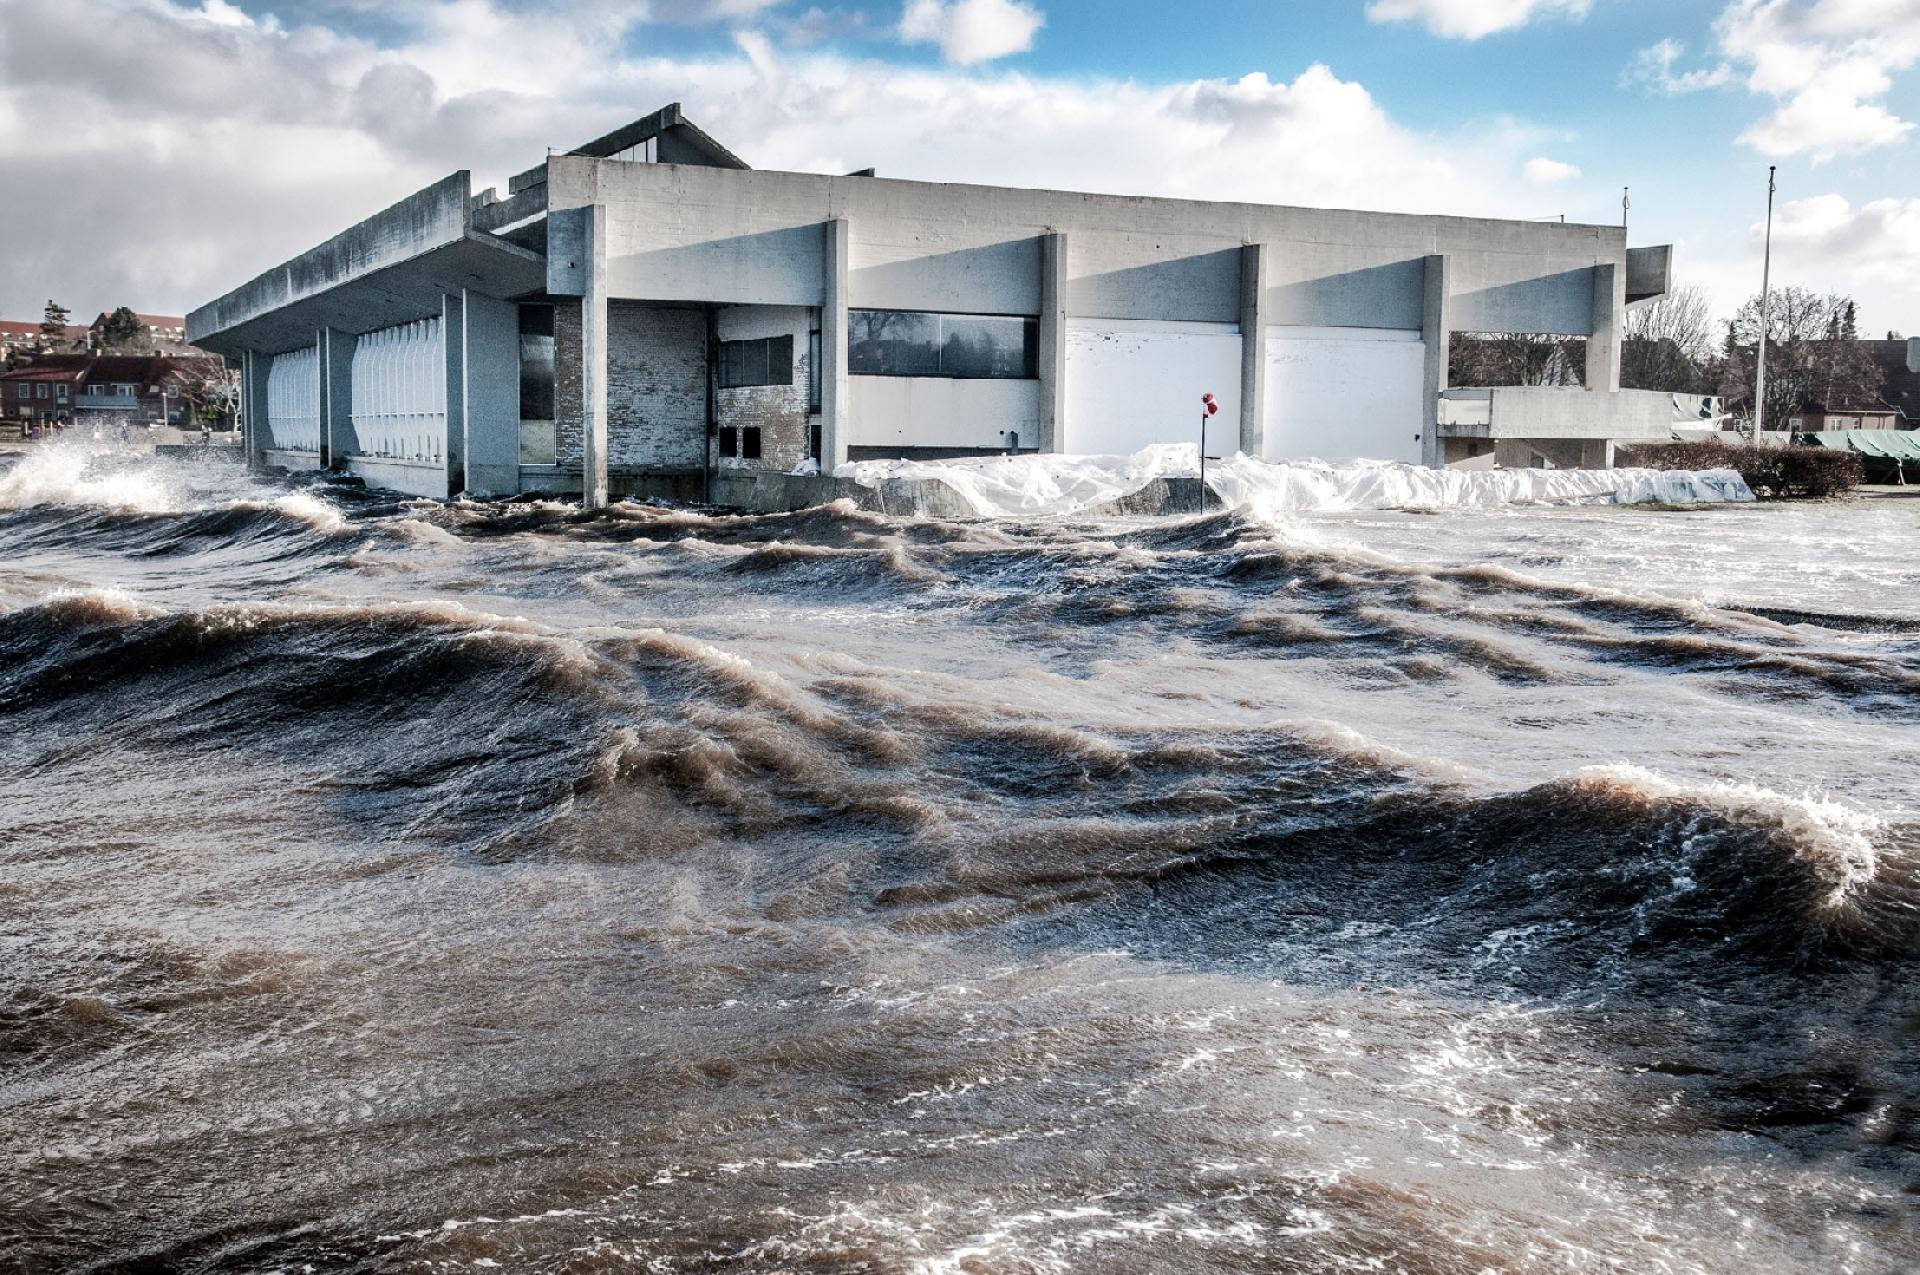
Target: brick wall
point(656, 386)
point(566, 383)
point(779, 411)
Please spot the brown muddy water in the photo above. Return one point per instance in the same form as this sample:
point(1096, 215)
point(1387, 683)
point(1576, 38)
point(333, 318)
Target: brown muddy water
point(387, 886)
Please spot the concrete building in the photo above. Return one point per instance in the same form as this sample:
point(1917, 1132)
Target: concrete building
point(647, 315)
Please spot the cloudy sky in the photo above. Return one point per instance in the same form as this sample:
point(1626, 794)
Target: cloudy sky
point(158, 152)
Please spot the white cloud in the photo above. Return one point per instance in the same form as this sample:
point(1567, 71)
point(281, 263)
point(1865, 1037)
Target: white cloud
point(1472, 19)
point(971, 31)
point(267, 139)
point(1827, 65)
point(1545, 172)
point(1654, 66)
point(1826, 234)
point(1869, 251)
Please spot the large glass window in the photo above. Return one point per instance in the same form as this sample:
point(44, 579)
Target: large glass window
point(766, 360)
point(538, 439)
point(963, 346)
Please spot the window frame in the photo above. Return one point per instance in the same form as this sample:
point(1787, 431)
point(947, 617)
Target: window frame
point(754, 362)
point(916, 364)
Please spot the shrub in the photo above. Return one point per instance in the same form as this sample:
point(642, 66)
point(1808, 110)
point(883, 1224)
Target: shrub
point(1776, 473)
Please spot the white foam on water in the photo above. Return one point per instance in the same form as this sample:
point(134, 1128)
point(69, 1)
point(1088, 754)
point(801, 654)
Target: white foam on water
point(1035, 484)
point(73, 472)
point(67, 474)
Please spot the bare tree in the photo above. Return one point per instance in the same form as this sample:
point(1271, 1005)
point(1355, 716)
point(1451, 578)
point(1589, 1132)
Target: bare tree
point(1515, 358)
point(210, 388)
point(1668, 344)
point(1814, 355)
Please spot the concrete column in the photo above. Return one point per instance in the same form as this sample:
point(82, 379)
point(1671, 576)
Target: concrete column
point(833, 348)
point(1603, 347)
point(490, 392)
point(453, 341)
point(1253, 348)
point(1053, 343)
point(1436, 330)
point(593, 361)
point(336, 372)
point(253, 389)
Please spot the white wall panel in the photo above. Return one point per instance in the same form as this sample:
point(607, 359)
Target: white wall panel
point(293, 400)
point(931, 411)
point(400, 392)
point(1131, 383)
point(1342, 393)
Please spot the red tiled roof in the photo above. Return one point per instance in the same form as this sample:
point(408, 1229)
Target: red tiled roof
point(31, 328)
point(48, 369)
point(113, 369)
point(151, 320)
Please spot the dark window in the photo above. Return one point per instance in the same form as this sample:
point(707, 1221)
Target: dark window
point(729, 441)
point(962, 346)
point(766, 360)
point(536, 363)
point(539, 436)
point(749, 442)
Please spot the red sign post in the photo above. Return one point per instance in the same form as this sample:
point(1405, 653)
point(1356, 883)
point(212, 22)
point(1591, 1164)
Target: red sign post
point(1208, 406)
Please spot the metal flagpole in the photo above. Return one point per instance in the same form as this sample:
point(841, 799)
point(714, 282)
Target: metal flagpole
point(1625, 204)
point(1760, 355)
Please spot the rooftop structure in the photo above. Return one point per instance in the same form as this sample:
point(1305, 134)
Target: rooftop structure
point(648, 314)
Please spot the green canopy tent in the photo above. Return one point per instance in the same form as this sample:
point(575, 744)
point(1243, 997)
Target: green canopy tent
point(1888, 451)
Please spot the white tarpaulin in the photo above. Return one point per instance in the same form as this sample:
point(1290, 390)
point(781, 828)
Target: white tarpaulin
point(1024, 486)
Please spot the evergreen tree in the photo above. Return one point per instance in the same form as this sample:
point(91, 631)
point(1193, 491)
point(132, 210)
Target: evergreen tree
point(124, 327)
point(53, 320)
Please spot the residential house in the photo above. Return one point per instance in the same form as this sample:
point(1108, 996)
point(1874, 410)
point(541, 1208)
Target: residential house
point(1899, 361)
point(131, 389)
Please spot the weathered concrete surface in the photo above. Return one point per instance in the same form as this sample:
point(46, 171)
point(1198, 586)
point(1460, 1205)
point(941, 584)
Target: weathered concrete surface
point(1609, 308)
point(1649, 272)
point(1253, 349)
point(296, 462)
point(1553, 412)
point(436, 217)
point(490, 394)
point(1436, 335)
point(410, 477)
point(690, 233)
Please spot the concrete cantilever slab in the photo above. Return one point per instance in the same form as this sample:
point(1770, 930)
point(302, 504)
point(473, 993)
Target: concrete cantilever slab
point(397, 292)
point(400, 261)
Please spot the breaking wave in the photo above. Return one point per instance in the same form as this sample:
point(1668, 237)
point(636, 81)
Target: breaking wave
point(678, 889)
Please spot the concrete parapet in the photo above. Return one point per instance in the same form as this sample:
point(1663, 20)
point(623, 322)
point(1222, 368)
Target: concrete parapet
point(1546, 411)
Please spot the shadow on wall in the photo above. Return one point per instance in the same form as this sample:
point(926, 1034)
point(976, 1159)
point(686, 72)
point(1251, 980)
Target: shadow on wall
point(1203, 288)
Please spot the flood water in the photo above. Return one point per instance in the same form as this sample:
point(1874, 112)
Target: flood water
point(388, 886)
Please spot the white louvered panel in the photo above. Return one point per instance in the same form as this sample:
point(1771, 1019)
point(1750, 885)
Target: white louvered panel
point(400, 392)
point(293, 400)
